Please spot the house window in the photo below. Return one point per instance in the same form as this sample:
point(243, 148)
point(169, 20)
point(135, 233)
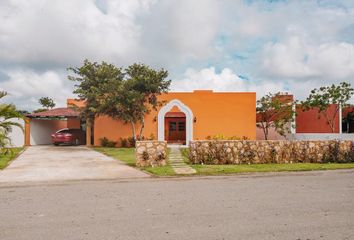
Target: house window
point(181, 126)
point(173, 126)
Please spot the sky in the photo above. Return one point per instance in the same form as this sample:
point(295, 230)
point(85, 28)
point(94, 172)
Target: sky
point(224, 45)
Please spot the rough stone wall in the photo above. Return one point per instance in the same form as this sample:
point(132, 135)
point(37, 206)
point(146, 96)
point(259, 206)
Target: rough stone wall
point(276, 151)
point(151, 153)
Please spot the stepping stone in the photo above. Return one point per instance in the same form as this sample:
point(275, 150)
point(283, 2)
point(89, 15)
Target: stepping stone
point(177, 162)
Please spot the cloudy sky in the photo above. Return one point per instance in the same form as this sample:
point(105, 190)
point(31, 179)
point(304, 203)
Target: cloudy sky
point(224, 45)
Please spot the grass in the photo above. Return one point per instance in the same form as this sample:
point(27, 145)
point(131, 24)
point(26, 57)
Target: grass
point(161, 171)
point(5, 159)
point(245, 168)
point(127, 155)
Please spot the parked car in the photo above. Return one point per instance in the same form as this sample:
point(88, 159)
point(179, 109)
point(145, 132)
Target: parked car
point(69, 136)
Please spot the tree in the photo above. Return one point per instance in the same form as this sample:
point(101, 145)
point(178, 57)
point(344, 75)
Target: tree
point(7, 113)
point(322, 98)
point(275, 111)
point(47, 102)
point(137, 95)
point(92, 80)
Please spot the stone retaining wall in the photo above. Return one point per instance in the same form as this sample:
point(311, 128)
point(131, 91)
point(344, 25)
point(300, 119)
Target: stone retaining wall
point(151, 153)
point(281, 151)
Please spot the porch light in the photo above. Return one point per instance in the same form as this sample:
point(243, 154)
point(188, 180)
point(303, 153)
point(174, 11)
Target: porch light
point(154, 119)
point(195, 119)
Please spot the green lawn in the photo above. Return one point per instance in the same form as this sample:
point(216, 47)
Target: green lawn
point(5, 159)
point(244, 168)
point(127, 155)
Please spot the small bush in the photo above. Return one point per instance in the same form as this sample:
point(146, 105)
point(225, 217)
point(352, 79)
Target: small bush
point(105, 142)
point(152, 137)
point(223, 137)
point(131, 141)
point(124, 143)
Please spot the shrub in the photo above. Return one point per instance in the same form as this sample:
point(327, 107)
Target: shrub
point(152, 137)
point(223, 137)
point(105, 142)
point(124, 143)
point(131, 141)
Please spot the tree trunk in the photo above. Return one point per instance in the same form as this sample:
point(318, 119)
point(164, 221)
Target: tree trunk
point(133, 129)
point(88, 132)
point(142, 128)
point(329, 122)
point(265, 132)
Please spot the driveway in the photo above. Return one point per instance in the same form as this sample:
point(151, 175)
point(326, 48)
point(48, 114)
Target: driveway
point(50, 163)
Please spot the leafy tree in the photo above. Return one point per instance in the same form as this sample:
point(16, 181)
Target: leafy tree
point(47, 102)
point(323, 97)
point(92, 80)
point(275, 111)
point(7, 113)
point(137, 95)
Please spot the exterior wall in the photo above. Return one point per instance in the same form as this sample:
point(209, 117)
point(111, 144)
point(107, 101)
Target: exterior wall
point(41, 130)
point(254, 152)
point(73, 123)
point(309, 121)
point(272, 135)
point(17, 136)
point(227, 113)
point(151, 153)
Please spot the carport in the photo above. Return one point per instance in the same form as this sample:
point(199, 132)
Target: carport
point(39, 126)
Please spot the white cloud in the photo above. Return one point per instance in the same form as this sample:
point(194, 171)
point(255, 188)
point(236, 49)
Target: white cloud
point(226, 80)
point(283, 45)
point(26, 87)
point(65, 32)
point(298, 59)
point(208, 79)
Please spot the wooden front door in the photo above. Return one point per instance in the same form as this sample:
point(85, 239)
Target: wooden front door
point(176, 130)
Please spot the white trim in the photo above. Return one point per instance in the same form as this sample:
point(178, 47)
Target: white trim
point(161, 120)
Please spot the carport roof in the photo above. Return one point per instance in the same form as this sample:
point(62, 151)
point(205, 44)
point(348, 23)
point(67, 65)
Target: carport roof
point(55, 113)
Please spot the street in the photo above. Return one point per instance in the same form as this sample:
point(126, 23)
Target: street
point(306, 205)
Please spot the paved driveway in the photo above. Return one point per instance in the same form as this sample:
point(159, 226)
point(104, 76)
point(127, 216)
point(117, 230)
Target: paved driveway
point(50, 163)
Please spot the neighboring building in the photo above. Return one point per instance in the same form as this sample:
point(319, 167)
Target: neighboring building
point(188, 116)
point(312, 125)
point(312, 122)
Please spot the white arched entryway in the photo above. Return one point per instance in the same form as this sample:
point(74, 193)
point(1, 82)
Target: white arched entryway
point(161, 119)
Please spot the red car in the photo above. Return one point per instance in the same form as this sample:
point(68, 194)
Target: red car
point(69, 136)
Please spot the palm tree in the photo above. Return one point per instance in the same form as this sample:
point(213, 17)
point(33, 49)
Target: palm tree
point(7, 113)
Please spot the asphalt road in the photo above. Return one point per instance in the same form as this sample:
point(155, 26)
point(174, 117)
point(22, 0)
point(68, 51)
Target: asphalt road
point(313, 205)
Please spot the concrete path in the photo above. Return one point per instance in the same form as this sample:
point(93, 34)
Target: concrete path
point(50, 163)
point(177, 162)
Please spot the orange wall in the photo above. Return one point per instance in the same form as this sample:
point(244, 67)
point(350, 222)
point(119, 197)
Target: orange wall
point(309, 121)
point(227, 113)
point(73, 123)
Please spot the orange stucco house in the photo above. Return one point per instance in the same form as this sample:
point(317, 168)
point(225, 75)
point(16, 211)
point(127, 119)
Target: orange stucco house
point(187, 116)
